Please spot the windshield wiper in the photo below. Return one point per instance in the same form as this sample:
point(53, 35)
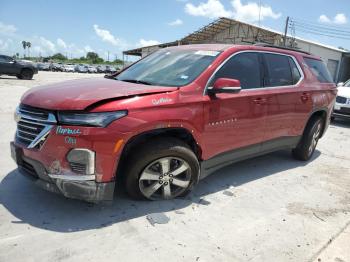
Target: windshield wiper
point(136, 81)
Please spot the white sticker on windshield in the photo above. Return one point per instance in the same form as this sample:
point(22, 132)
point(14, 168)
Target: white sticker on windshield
point(207, 53)
point(183, 77)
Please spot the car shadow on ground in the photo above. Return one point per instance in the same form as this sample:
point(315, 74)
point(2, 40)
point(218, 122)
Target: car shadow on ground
point(12, 78)
point(32, 205)
point(341, 122)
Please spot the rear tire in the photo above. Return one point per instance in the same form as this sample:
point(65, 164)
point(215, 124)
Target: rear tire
point(162, 168)
point(309, 140)
point(26, 74)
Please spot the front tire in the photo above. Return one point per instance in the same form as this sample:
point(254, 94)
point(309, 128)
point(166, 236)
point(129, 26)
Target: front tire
point(162, 168)
point(26, 74)
point(309, 140)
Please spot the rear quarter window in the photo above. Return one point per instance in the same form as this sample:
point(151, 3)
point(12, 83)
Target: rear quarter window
point(319, 69)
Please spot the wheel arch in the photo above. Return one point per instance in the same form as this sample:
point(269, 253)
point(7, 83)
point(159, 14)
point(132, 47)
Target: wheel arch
point(175, 132)
point(319, 113)
point(27, 68)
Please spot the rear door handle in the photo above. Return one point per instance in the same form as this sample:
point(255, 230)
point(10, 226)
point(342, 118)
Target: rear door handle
point(260, 100)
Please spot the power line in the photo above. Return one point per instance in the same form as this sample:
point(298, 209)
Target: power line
point(316, 29)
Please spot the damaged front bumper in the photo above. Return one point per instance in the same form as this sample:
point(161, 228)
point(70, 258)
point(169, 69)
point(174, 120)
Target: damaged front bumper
point(82, 187)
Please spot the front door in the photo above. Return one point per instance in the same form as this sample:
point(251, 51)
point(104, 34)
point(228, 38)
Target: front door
point(6, 65)
point(236, 121)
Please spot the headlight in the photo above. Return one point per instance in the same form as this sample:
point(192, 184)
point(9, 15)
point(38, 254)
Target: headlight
point(102, 119)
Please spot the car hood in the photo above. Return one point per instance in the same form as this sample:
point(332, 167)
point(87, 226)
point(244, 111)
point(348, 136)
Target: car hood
point(79, 94)
point(344, 91)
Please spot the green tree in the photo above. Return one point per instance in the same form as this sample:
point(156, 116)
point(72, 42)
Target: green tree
point(58, 56)
point(24, 44)
point(29, 45)
point(93, 57)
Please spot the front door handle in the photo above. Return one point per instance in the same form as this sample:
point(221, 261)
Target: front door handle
point(260, 100)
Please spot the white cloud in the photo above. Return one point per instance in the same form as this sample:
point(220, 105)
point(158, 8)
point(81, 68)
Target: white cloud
point(247, 12)
point(211, 9)
point(5, 44)
point(176, 22)
point(61, 43)
point(144, 42)
point(324, 19)
point(106, 36)
point(250, 11)
point(87, 48)
point(7, 29)
point(339, 19)
point(47, 45)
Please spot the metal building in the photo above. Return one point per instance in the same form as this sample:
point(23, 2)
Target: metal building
point(230, 31)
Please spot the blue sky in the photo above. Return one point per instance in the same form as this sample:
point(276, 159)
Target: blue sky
point(75, 27)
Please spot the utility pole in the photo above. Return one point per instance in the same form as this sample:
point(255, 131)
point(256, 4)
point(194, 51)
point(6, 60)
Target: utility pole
point(259, 11)
point(285, 31)
point(108, 56)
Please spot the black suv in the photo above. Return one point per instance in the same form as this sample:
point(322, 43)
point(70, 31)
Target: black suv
point(20, 69)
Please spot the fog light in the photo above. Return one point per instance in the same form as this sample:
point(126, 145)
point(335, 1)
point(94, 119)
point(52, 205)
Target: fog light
point(82, 161)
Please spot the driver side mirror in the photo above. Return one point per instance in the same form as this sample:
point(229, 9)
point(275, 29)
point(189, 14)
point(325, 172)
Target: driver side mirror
point(225, 85)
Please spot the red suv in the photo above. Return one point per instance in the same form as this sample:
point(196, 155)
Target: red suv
point(170, 119)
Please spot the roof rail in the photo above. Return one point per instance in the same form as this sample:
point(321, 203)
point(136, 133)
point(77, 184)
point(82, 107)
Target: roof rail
point(282, 47)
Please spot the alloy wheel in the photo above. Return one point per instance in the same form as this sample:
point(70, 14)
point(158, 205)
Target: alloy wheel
point(314, 139)
point(165, 178)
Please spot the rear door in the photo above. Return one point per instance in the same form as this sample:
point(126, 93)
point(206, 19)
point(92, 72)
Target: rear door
point(236, 121)
point(288, 105)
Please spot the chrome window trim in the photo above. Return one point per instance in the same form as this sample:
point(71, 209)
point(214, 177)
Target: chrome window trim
point(260, 88)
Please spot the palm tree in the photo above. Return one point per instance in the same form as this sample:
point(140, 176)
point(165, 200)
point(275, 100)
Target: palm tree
point(29, 45)
point(24, 44)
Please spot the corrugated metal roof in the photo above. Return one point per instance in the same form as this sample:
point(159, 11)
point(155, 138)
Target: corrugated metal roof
point(216, 27)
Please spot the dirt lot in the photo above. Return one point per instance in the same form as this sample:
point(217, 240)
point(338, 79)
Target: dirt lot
point(270, 208)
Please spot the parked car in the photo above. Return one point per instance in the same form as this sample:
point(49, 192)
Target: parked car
point(43, 66)
point(57, 67)
point(81, 68)
point(101, 69)
point(171, 119)
point(69, 68)
point(18, 68)
point(110, 69)
point(342, 102)
point(92, 69)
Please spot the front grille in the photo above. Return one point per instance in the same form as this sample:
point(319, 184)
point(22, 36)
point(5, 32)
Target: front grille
point(78, 168)
point(341, 99)
point(33, 125)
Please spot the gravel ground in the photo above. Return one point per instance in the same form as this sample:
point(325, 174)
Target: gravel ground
point(271, 208)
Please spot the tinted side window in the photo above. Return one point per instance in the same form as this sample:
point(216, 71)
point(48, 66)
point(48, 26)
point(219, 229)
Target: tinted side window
point(4, 58)
point(319, 69)
point(279, 70)
point(244, 67)
point(295, 71)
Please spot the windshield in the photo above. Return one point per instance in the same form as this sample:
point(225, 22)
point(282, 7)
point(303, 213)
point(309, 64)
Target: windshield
point(169, 67)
